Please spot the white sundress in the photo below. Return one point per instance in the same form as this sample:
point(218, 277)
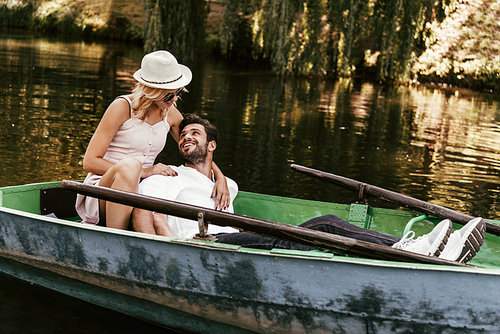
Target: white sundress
point(134, 139)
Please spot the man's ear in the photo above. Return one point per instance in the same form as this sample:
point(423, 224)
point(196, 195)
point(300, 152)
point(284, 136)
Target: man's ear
point(212, 145)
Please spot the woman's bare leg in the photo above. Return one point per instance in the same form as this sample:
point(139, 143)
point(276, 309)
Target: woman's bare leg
point(125, 175)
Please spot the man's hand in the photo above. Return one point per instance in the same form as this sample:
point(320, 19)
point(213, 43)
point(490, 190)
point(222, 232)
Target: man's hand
point(221, 194)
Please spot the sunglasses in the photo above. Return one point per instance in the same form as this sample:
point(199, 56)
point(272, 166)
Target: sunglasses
point(169, 97)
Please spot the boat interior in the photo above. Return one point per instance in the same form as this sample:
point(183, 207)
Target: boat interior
point(50, 199)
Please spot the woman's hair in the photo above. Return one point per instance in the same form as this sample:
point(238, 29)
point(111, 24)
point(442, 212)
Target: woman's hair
point(142, 98)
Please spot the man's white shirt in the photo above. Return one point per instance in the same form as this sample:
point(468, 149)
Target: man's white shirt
point(190, 187)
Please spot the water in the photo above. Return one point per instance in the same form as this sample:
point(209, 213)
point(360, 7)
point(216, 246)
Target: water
point(26, 308)
point(438, 145)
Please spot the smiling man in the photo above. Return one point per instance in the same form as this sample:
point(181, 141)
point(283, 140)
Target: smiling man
point(192, 185)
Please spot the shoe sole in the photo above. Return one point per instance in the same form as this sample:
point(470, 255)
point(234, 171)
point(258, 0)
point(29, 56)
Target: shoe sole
point(443, 242)
point(473, 243)
point(442, 245)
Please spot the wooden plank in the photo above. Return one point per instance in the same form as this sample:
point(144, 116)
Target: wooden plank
point(278, 230)
point(394, 197)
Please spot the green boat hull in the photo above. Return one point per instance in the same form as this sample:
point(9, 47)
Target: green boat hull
point(207, 287)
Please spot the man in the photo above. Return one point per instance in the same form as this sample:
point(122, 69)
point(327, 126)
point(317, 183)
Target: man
point(194, 183)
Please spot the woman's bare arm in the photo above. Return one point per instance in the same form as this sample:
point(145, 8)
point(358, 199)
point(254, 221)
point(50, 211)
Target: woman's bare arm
point(116, 114)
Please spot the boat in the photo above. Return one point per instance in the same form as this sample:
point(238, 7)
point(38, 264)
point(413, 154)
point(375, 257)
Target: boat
point(202, 286)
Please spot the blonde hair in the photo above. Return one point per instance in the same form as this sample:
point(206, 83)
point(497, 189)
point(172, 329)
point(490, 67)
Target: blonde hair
point(143, 97)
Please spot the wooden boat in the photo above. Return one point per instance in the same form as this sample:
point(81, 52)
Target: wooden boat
point(204, 286)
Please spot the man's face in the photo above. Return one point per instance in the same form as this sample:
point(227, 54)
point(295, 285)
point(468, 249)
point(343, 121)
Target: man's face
point(193, 145)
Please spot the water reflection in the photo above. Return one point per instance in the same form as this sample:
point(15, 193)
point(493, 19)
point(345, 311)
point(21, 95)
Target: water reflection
point(422, 142)
point(431, 144)
point(460, 140)
point(53, 96)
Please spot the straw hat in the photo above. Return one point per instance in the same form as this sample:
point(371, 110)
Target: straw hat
point(160, 69)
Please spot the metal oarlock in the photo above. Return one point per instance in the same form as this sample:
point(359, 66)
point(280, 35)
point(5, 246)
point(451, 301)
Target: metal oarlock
point(203, 226)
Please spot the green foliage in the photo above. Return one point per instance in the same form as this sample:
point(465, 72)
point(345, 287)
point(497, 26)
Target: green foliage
point(236, 31)
point(16, 14)
point(312, 55)
point(320, 37)
point(152, 29)
point(64, 18)
point(175, 25)
point(465, 49)
point(349, 35)
point(116, 27)
point(386, 40)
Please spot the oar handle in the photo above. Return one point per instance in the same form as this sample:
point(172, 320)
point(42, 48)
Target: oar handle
point(394, 197)
point(278, 230)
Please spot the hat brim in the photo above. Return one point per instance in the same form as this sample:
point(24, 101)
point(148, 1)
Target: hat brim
point(184, 80)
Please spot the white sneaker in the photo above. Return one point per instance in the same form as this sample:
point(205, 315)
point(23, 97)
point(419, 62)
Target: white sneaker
point(464, 244)
point(431, 244)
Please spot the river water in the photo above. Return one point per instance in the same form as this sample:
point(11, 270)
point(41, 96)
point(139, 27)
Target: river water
point(435, 144)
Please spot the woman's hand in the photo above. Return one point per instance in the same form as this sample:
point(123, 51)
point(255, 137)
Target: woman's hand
point(158, 169)
point(221, 194)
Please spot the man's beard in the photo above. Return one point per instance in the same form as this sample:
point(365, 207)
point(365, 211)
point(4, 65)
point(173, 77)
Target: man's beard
point(196, 156)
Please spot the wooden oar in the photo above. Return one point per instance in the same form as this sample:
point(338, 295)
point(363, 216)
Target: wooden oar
point(278, 230)
point(394, 197)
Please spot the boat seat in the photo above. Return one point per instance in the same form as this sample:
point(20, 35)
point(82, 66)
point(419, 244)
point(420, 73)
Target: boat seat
point(358, 215)
point(58, 201)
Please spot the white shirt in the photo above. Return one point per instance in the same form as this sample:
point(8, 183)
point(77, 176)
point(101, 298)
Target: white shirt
point(190, 187)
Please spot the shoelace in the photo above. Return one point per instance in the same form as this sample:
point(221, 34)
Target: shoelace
point(405, 240)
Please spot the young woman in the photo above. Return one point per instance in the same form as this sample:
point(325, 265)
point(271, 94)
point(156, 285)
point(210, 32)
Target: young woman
point(132, 132)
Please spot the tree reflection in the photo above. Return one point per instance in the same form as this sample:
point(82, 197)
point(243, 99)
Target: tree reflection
point(53, 97)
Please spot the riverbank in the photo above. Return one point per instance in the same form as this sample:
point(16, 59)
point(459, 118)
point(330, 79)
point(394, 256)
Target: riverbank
point(466, 49)
point(463, 52)
point(115, 20)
